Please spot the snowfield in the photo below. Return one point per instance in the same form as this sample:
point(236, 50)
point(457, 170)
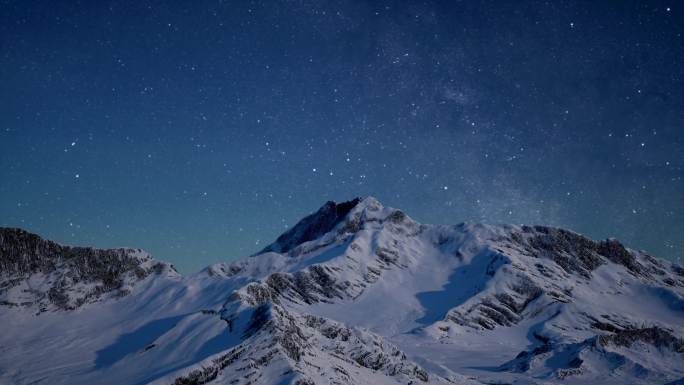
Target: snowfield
point(355, 293)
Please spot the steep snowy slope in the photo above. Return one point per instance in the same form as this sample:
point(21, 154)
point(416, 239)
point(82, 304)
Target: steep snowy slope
point(355, 293)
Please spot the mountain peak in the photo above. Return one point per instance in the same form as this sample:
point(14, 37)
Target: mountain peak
point(316, 224)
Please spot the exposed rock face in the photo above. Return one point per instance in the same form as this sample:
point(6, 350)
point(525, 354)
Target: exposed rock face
point(209, 373)
point(504, 308)
point(569, 359)
point(573, 252)
point(551, 258)
point(312, 226)
point(35, 271)
point(655, 336)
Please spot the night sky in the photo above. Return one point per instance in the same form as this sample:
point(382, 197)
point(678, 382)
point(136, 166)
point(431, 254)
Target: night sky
point(201, 130)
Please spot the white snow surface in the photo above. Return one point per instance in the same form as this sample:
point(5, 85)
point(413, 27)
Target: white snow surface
point(379, 299)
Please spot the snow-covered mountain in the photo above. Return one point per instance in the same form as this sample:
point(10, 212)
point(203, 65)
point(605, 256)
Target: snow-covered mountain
point(355, 293)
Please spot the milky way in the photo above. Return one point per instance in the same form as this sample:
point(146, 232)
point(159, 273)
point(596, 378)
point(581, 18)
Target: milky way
point(200, 130)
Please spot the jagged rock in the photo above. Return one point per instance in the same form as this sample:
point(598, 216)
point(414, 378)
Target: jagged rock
point(567, 359)
point(615, 252)
point(656, 336)
point(312, 226)
point(573, 252)
point(72, 276)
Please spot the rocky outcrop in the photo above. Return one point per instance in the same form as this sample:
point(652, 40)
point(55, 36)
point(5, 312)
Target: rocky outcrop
point(312, 226)
point(654, 336)
point(568, 359)
point(209, 373)
point(501, 308)
point(573, 252)
point(42, 273)
point(308, 348)
point(540, 266)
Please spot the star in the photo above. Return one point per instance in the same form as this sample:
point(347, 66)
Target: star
point(414, 113)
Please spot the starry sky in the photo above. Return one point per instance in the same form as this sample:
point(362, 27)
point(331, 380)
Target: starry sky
point(201, 130)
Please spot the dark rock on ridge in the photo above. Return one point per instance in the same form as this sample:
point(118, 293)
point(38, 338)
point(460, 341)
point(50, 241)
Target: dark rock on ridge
point(569, 355)
point(71, 276)
point(312, 226)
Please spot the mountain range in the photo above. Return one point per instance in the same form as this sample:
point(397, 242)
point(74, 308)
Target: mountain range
point(355, 293)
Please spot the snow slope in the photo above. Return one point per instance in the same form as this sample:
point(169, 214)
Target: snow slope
point(355, 293)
